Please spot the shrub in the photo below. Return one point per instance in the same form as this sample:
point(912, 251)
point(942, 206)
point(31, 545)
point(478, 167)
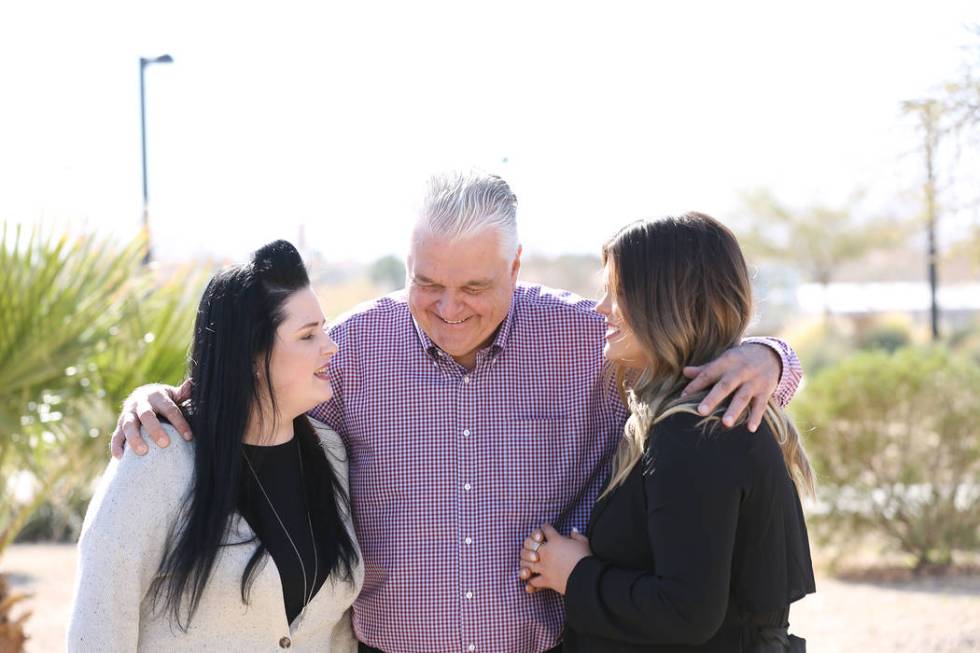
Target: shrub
point(888, 334)
point(895, 440)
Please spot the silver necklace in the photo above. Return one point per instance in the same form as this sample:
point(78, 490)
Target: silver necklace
point(307, 596)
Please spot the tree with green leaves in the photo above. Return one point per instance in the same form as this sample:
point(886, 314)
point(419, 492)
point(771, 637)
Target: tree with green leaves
point(962, 96)
point(817, 240)
point(949, 119)
point(388, 272)
point(961, 99)
point(930, 114)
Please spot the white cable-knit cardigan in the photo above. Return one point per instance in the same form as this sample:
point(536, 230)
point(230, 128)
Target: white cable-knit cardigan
point(120, 549)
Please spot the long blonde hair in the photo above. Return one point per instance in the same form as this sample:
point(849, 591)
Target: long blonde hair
point(683, 287)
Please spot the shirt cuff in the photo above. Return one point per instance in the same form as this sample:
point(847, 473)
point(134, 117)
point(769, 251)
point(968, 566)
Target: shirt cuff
point(792, 371)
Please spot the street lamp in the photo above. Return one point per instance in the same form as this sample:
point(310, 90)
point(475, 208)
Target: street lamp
point(146, 215)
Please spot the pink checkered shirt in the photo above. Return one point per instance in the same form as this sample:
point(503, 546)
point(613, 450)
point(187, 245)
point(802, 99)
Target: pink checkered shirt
point(451, 468)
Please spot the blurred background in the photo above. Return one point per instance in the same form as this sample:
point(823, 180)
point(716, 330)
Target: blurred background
point(143, 146)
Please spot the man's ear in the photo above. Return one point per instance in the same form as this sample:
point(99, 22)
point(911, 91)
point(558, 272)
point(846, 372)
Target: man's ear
point(516, 265)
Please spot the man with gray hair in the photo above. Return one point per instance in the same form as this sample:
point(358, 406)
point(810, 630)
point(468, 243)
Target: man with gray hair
point(474, 409)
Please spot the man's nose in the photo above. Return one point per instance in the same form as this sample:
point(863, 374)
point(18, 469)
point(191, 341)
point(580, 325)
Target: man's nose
point(450, 307)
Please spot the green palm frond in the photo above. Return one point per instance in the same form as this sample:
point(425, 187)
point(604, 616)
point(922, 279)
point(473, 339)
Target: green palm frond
point(81, 323)
point(149, 337)
point(53, 295)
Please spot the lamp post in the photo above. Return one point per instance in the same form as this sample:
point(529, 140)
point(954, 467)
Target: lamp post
point(146, 214)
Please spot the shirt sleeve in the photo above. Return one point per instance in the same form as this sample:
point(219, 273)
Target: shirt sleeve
point(122, 544)
point(331, 412)
point(692, 512)
point(792, 370)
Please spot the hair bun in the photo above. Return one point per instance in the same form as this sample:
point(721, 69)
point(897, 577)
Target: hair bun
point(278, 261)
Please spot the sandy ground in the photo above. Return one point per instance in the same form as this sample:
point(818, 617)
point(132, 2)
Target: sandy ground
point(931, 615)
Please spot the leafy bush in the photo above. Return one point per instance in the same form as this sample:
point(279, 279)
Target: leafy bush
point(885, 334)
point(820, 344)
point(895, 440)
point(965, 342)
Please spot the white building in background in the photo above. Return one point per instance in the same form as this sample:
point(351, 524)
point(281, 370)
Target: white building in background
point(886, 297)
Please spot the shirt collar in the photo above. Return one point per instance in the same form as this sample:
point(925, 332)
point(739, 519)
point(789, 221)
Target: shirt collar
point(499, 341)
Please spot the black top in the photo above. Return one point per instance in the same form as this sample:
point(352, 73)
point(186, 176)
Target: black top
point(278, 468)
point(704, 541)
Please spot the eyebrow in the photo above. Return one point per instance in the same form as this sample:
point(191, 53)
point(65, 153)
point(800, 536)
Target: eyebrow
point(311, 324)
point(472, 282)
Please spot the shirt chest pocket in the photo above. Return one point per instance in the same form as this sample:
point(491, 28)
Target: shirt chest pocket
point(534, 470)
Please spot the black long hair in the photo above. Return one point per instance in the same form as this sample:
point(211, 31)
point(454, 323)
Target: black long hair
point(237, 320)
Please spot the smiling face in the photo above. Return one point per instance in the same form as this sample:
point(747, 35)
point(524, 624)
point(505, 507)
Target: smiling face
point(460, 290)
point(622, 346)
point(300, 355)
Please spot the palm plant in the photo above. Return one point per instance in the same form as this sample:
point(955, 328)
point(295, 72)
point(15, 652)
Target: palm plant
point(80, 324)
point(149, 336)
point(54, 294)
point(144, 338)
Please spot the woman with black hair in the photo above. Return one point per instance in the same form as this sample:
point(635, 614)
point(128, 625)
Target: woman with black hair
point(259, 478)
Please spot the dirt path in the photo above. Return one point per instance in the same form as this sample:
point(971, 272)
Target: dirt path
point(928, 616)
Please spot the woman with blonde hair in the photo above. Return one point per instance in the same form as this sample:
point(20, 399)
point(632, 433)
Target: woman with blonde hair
point(698, 542)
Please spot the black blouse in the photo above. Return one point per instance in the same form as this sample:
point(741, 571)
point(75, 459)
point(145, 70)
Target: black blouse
point(704, 542)
point(278, 468)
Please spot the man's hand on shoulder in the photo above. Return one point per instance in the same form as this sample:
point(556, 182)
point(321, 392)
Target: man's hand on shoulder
point(142, 408)
point(751, 371)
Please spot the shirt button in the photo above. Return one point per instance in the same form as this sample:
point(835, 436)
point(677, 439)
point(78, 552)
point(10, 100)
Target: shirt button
point(466, 379)
point(466, 431)
point(468, 540)
point(285, 643)
point(469, 595)
point(471, 647)
point(467, 487)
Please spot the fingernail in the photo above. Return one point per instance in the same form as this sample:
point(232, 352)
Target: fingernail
point(703, 409)
point(728, 421)
point(574, 530)
point(683, 393)
point(140, 448)
point(162, 443)
point(533, 556)
point(537, 537)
